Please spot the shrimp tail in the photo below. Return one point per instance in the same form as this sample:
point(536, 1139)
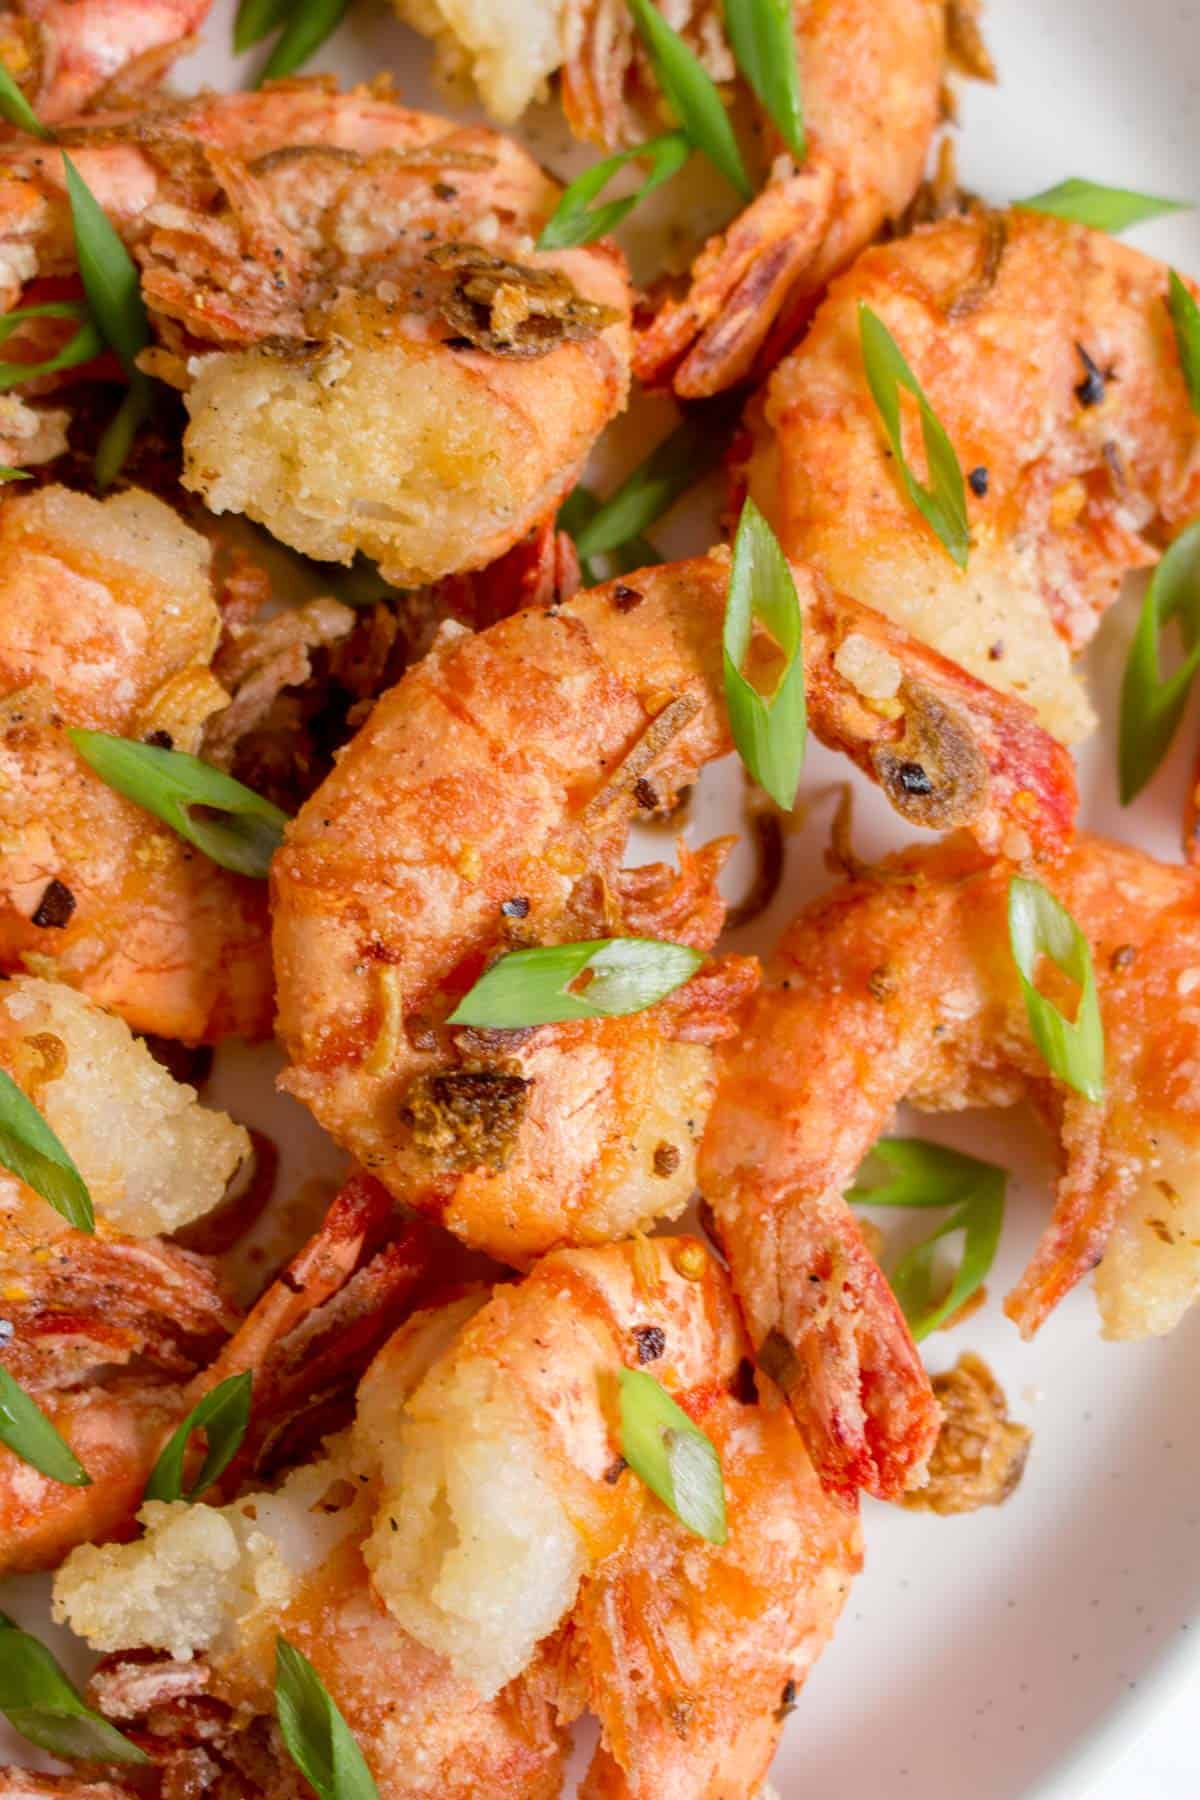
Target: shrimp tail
point(710, 339)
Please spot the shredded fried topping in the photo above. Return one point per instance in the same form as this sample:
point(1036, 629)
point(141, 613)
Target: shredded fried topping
point(511, 309)
point(980, 1453)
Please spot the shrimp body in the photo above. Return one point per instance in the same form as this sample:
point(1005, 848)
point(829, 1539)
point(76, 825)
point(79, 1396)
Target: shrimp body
point(871, 78)
point(69, 55)
point(1046, 352)
point(107, 621)
point(901, 986)
point(374, 357)
point(104, 1329)
point(457, 1658)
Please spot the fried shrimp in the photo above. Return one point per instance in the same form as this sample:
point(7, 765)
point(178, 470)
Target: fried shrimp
point(107, 621)
point(373, 356)
point(899, 986)
point(102, 1330)
point(871, 76)
point(71, 55)
point(459, 1641)
point(1046, 351)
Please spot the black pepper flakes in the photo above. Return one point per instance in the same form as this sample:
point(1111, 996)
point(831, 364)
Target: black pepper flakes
point(743, 1386)
point(443, 191)
point(1091, 390)
point(1122, 957)
point(626, 598)
point(787, 1703)
point(645, 793)
point(977, 481)
point(55, 907)
point(161, 740)
point(651, 1341)
point(913, 779)
point(7, 1332)
point(666, 1159)
point(515, 908)
point(615, 1470)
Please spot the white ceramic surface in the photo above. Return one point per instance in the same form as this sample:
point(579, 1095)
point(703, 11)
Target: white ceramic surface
point(1017, 1652)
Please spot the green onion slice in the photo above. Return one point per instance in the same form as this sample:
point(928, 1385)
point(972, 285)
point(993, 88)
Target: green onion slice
point(576, 221)
point(763, 40)
point(30, 1435)
point(577, 511)
point(695, 446)
point(223, 1416)
point(533, 987)
point(7, 474)
point(318, 1739)
point(35, 1156)
point(40, 1703)
point(692, 94)
point(80, 348)
point(109, 273)
point(122, 428)
point(1038, 925)
point(1151, 707)
point(16, 109)
point(1110, 209)
point(921, 1174)
point(246, 831)
point(943, 504)
point(770, 730)
point(672, 1455)
point(255, 20)
point(308, 25)
point(1185, 318)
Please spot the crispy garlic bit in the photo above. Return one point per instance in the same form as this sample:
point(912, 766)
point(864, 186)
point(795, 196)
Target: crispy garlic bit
point(980, 1453)
point(153, 1158)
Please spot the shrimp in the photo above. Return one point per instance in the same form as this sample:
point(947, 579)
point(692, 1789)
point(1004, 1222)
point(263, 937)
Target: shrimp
point(373, 355)
point(1046, 351)
point(484, 805)
point(107, 621)
point(71, 55)
point(906, 974)
point(555, 1582)
point(102, 1330)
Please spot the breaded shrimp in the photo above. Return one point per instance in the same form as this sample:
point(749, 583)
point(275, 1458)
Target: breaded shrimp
point(871, 79)
point(102, 1330)
point(1046, 351)
point(107, 621)
point(442, 1642)
point(374, 357)
point(901, 985)
point(69, 55)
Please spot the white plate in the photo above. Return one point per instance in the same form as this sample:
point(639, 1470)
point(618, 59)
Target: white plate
point(1016, 1652)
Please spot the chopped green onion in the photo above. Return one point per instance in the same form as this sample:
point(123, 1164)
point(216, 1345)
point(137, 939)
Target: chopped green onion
point(40, 1703)
point(1185, 317)
point(318, 1739)
point(770, 731)
point(575, 221)
point(672, 1455)
point(33, 1153)
point(691, 93)
point(82, 347)
point(255, 20)
point(576, 512)
point(171, 785)
point(30, 1435)
point(223, 1415)
point(309, 23)
point(16, 109)
point(1108, 209)
point(763, 39)
point(695, 446)
point(1151, 708)
point(114, 294)
point(927, 1175)
point(1038, 925)
point(533, 987)
point(7, 474)
point(943, 504)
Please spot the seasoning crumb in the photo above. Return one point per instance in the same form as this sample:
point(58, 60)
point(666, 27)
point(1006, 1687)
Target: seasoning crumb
point(55, 907)
point(651, 1341)
point(615, 1470)
point(980, 1454)
point(1122, 957)
point(646, 794)
point(625, 598)
point(666, 1159)
point(691, 1260)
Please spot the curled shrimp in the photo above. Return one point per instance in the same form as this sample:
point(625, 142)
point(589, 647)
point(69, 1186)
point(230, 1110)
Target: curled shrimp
point(871, 77)
point(107, 621)
point(102, 1330)
point(70, 55)
point(1046, 351)
point(900, 985)
point(485, 805)
point(564, 1583)
point(373, 355)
